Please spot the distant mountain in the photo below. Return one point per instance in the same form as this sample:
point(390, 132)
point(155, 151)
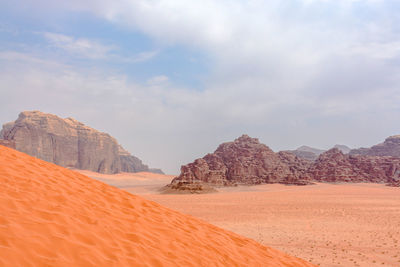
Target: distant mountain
point(311, 153)
point(307, 153)
point(390, 147)
point(311, 149)
point(345, 149)
point(68, 143)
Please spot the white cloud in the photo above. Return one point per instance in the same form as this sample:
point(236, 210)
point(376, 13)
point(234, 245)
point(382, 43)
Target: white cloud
point(91, 49)
point(158, 80)
point(289, 72)
point(79, 46)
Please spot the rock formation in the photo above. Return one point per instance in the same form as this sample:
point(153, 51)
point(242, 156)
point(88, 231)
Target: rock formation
point(247, 161)
point(394, 184)
point(68, 143)
point(7, 143)
point(244, 161)
point(334, 166)
point(390, 147)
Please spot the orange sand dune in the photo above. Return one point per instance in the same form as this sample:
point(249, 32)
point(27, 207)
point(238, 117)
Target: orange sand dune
point(52, 216)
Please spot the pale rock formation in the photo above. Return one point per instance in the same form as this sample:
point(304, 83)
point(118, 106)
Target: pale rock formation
point(69, 143)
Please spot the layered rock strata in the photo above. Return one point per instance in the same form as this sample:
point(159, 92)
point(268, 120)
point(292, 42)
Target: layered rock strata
point(7, 143)
point(69, 143)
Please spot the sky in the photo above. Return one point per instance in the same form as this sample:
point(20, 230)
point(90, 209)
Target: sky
point(172, 79)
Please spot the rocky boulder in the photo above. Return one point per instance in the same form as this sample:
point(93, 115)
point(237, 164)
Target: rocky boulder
point(69, 143)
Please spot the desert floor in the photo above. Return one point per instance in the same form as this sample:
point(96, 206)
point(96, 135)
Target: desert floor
point(327, 224)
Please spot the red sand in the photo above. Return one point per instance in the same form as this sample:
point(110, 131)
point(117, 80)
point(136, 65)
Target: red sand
point(52, 216)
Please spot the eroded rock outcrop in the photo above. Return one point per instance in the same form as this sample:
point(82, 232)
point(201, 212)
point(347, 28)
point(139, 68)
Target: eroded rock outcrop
point(69, 143)
point(247, 161)
point(244, 161)
point(390, 147)
point(334, 166)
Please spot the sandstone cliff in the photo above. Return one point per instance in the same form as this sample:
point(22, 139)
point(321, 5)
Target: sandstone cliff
point(68, 143)
point(7, 143)
point(390, 147)
point(244, 161)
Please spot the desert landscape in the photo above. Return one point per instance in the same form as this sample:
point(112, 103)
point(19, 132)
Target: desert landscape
point(335, 224)
point(52, 216)
point(338, 209)
point(163, 133)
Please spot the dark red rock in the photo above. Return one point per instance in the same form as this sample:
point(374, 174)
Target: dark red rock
point(334, 166)
point(244, 161)
point(247, 161)
point(394, 184)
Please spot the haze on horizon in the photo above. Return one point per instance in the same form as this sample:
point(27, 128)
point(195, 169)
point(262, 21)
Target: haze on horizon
point(172, 79)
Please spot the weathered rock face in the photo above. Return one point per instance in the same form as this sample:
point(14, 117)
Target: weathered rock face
point(334, 166)
point(130, 163)
point(244, 161)
point(69, 143)
point(7, 143)
point(390, 147)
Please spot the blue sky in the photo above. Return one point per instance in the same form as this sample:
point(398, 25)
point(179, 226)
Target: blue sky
point(171, 79)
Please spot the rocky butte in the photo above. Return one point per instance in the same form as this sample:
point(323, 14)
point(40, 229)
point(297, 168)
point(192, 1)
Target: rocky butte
point(243, 161)
point(248, 162)
point(68, 143)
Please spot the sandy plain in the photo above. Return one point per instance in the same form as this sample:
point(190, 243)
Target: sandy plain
point(326, 224)
point(52, 216)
